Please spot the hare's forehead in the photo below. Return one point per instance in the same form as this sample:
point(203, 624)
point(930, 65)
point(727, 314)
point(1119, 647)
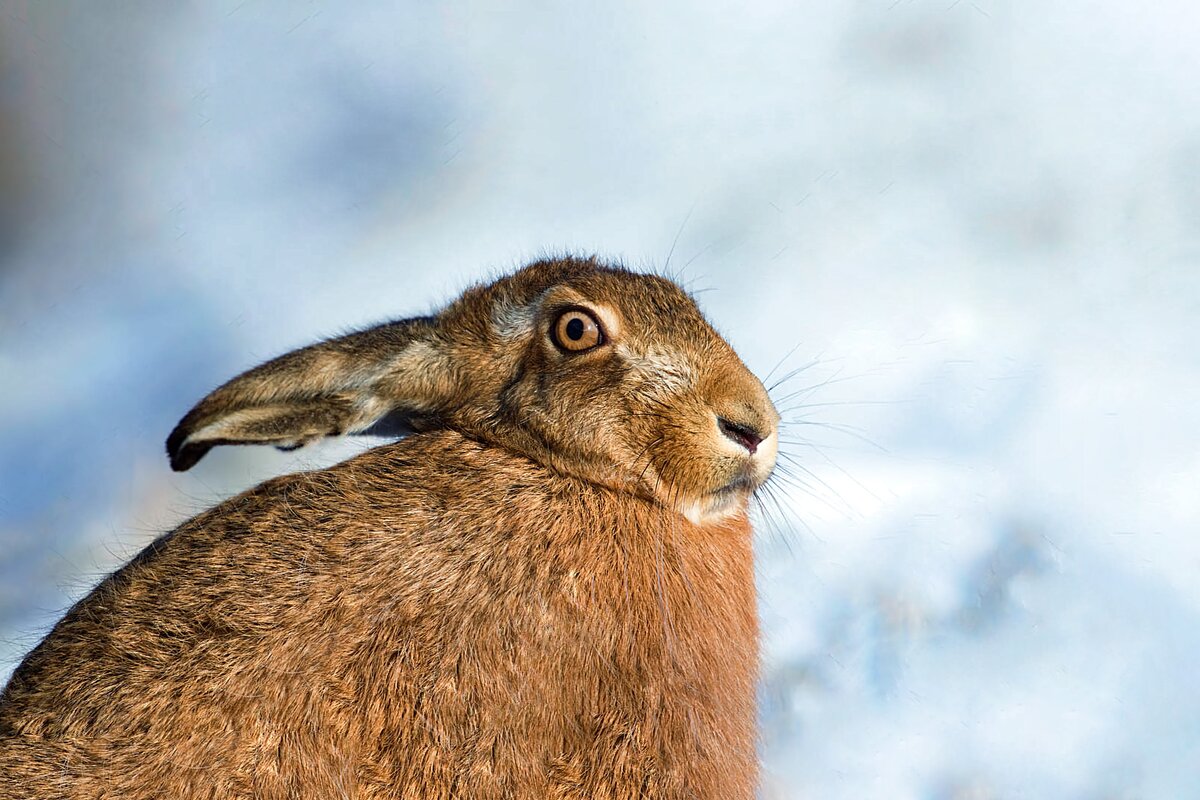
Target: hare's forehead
point(652, 310)
point(513, 318)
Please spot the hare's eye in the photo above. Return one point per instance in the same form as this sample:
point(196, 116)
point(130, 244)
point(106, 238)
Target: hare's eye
point(577, 330)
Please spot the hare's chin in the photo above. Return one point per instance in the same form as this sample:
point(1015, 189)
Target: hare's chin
point(718, 505)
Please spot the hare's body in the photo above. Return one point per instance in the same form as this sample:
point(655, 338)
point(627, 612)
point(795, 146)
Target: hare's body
point(547, 593)
point(608, 651)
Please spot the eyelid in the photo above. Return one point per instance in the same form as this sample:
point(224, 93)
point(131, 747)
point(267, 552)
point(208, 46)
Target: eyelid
point(558, 312)
point(562, 298)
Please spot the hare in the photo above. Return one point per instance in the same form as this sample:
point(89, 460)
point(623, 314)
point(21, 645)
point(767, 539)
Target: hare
point(544, 591)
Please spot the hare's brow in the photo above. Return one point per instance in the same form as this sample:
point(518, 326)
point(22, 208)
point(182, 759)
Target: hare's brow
point(512, 319)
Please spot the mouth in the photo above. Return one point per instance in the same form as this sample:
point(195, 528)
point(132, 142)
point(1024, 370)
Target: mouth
point(720, 502)
point(739, 485)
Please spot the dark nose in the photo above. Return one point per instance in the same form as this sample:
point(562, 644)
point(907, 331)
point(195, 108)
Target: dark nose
point(744, 435)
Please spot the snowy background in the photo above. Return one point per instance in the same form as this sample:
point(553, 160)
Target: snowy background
point(978, 221)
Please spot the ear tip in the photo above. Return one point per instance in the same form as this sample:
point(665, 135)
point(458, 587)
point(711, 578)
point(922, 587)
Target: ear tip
point(179, 464)
point(183, 456)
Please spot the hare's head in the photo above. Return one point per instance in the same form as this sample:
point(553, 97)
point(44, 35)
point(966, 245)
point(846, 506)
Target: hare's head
point(595, 371)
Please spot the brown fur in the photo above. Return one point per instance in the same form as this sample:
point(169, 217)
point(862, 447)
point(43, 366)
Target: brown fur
point(547, 594)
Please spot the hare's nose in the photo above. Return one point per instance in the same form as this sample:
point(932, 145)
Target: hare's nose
point(744, 435)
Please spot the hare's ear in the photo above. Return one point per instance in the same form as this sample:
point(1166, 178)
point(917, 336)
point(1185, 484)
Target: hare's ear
point(380, 378)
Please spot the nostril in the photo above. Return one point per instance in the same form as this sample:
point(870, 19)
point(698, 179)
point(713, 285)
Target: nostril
point(744, 435)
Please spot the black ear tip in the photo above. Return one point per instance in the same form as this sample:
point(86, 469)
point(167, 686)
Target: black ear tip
point(184, 456)
point(175, 441)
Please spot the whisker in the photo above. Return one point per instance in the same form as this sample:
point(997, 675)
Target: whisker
point(843, 403)
point(774, 524)
point(785, 471)
point(690, 261)
point(779, 364)
point(843, 429)
point(678, 233)
point(840, 469)
point(836, 377)
point(792, 373)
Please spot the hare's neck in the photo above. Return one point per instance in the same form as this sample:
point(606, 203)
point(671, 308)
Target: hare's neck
point(691, 647)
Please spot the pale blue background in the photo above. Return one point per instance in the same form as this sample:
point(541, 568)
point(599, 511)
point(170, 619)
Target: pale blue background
point(981, 219)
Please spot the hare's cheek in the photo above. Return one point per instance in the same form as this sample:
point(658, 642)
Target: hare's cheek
point(659, 375)
point(689, 463)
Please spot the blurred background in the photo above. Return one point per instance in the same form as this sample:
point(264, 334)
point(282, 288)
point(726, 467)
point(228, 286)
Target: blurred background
point(968, 230)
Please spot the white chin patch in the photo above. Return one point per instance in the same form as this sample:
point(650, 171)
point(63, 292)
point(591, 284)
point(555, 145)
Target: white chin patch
point(706, 512)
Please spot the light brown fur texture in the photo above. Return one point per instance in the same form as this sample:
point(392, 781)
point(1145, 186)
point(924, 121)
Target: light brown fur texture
point(545, 592)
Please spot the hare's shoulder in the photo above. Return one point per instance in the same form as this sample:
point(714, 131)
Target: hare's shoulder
point(277, 566)
point(403, 487)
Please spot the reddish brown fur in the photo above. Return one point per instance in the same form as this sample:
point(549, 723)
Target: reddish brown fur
point(499, 608)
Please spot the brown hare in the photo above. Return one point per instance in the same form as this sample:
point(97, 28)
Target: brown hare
point(546, 591)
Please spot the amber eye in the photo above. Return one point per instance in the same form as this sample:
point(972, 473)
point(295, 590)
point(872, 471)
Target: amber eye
point(577, 330)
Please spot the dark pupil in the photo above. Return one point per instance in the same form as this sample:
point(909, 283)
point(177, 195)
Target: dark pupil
point(575, 329)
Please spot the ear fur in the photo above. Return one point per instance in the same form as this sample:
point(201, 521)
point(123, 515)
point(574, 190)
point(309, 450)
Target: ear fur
point(383, 379)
